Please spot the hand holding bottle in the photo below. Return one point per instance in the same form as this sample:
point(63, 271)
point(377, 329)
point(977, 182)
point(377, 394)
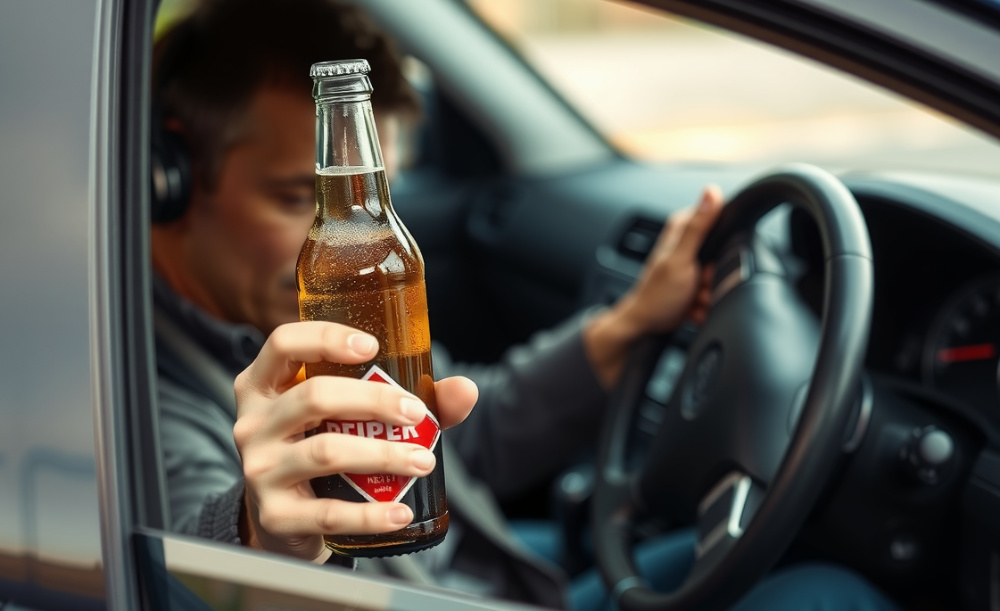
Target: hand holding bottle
point(282, 513)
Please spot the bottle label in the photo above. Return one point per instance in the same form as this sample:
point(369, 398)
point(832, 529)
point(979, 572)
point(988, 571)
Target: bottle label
point(385, 487)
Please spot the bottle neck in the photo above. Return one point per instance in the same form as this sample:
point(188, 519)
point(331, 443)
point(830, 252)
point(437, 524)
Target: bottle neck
point(346, 136)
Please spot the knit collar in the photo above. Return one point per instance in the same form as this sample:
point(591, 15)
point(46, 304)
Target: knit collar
point(235, 345)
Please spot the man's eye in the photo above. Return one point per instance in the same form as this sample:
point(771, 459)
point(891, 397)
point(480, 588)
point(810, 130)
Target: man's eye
point(297, 200)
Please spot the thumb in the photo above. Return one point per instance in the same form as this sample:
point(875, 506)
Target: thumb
point(702, 221)
point(456, 397)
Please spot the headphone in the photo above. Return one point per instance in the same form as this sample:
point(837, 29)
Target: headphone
point(170, 174)
point(169, 158)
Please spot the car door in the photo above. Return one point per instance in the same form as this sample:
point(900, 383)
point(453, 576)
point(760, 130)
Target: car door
point(50, 520)
point(527, 223)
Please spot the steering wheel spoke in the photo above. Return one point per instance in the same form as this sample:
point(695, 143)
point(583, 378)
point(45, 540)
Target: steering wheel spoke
point(725, 512)
point(617, 502)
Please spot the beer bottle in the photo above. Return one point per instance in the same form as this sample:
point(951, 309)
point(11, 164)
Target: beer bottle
point(360, 267)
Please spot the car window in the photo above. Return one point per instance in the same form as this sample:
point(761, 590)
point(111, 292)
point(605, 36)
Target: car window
point(777, 108)
point(668, 89)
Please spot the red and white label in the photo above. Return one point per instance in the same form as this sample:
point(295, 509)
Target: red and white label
point(385, 487)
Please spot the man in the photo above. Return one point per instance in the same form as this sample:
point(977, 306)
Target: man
point(231, 83)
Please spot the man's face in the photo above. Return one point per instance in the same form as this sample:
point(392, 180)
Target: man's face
point(242, 238)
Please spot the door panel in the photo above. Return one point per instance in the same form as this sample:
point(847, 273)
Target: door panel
point(47, 475)
point(196, 575)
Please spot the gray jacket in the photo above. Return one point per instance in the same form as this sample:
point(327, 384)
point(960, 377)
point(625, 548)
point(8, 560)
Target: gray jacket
point(537, 408)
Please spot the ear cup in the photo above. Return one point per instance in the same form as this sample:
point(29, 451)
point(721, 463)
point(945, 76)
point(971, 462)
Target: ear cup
point(170, 156)
point(170, 174)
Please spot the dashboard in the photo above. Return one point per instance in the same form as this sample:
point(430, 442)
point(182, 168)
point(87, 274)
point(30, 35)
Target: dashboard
point(936, 319)
point(936, 316)
point(936, 313)
point(933, 360)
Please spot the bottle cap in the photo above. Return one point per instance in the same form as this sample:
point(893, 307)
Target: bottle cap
point(340, 68)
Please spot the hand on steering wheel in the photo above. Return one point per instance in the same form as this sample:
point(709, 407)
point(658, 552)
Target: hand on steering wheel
point(755, 425)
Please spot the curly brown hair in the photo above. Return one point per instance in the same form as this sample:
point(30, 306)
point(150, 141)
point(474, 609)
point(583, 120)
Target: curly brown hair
point(208, 67)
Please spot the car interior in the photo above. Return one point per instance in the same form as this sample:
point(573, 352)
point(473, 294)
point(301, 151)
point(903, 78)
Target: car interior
point(526, 213)
point(525, 247)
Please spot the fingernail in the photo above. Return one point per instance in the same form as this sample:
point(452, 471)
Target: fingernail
point(400, 514)
point(422, 459)
point(361, 343)
point(412, 409)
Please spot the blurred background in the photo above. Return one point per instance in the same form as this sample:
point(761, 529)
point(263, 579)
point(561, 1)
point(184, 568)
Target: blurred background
point(670, 89)
point(667, 89)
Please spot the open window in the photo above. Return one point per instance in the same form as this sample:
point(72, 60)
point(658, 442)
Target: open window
point(171, 571)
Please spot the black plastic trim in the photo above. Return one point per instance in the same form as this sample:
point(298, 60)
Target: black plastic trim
point(136, 290)
point(545, 84)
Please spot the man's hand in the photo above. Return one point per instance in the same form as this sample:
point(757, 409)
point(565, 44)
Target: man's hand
point(281, 513)
point(672, 288)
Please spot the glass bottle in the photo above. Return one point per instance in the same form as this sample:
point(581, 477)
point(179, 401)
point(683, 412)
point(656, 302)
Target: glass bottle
point(359, 266)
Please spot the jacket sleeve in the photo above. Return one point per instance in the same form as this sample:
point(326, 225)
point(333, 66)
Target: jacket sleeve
point(203, 469)
point(204, 475)
point(539, 406)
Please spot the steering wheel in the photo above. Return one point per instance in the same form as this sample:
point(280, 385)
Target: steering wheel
point(757, 418)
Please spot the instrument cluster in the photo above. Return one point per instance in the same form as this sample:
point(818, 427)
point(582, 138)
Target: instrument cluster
point(961, 351)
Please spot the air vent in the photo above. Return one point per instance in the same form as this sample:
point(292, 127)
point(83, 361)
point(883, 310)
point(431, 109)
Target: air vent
point(638, 239)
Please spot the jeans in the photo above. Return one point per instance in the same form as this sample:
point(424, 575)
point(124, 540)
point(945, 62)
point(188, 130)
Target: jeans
point(665, 561)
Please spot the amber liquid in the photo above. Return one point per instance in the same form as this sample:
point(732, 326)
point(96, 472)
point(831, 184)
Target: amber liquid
point(361, 268)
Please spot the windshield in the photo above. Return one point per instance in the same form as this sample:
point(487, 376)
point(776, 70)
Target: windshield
point(662, 88)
